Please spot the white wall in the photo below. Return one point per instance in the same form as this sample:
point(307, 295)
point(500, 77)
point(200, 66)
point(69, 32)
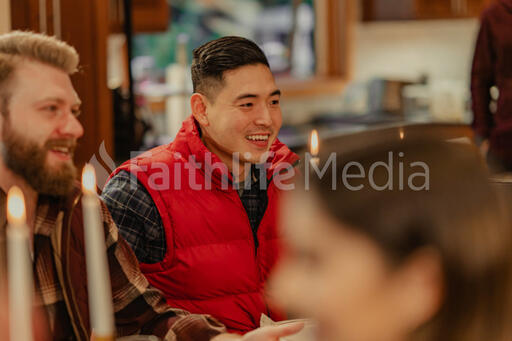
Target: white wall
point(443, 49)
point(5, 17)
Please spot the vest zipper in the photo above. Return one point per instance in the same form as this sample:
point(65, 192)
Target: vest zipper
point(255, 241)
point(254, 235)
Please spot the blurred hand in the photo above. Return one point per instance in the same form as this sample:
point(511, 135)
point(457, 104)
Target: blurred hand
point(265, 333)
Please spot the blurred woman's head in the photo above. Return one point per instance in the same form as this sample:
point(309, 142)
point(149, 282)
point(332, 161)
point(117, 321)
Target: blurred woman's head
point(411, 244)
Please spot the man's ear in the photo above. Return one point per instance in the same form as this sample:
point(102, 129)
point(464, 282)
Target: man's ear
point(198, 103)
point(421, 287)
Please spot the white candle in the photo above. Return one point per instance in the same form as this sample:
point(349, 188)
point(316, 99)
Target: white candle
point(100, 292)
point(19, 266)
point(314, 148)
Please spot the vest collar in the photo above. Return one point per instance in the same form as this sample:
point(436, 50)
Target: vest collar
point(190, 134)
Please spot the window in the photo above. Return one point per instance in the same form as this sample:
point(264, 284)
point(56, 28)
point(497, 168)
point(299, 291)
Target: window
point(307, 41)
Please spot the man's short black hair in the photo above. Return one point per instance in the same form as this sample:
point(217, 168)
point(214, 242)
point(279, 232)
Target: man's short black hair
point(212, 59)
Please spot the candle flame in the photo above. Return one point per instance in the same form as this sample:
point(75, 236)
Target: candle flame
point(314, 142)
point(15, 206)
point(89, 179)
point(402, 134)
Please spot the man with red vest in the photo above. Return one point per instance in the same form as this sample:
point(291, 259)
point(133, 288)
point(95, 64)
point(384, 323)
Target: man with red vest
point(200, 212)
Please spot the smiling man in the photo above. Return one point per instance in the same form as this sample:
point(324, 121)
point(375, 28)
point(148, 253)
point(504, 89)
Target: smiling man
point(200, 212)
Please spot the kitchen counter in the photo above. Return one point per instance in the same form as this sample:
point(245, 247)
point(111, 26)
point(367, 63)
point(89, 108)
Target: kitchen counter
point(331, 127)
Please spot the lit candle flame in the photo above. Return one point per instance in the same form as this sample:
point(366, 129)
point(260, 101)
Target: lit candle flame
point(15, 206)
point(314, 142)
point(89, 179)
point(402, 134)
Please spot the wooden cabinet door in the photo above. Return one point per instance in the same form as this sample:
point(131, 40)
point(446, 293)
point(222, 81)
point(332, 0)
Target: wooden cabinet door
point(434, 9)
point(449, 9)
point(475, 7)
point(375, 10)
point(147, 16)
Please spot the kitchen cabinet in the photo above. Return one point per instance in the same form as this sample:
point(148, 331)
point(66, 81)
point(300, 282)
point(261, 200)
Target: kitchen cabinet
point(382, 10)
point(147, 16)
point(446, 9)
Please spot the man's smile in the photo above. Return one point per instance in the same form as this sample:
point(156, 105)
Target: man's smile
point(260, 139)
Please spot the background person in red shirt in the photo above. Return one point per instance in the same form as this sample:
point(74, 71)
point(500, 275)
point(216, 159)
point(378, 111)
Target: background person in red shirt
point(492, 67)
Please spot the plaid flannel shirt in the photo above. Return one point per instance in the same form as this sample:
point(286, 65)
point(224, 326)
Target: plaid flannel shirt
point(138, 307)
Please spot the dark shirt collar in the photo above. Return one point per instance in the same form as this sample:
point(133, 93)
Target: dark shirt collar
point(251, 180)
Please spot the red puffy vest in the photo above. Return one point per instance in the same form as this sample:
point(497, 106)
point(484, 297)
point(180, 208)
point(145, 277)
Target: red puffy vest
point(212, 265)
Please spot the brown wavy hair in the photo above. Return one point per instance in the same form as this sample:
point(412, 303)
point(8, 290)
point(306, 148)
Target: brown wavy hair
point(17, 46)
point(461, 215)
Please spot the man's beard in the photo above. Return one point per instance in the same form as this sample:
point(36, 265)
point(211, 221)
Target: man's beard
point(28, 160)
